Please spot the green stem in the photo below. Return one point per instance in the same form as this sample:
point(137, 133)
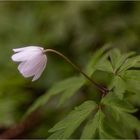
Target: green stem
point(101, 88)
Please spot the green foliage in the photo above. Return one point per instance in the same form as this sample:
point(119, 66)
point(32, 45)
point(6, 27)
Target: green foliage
point(112, 117)
point(65, 128)
point(93, 126)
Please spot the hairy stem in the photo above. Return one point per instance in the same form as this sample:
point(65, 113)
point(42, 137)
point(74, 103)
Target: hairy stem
point(101, 88)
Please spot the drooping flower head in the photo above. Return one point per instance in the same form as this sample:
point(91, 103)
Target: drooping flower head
point(32, 61)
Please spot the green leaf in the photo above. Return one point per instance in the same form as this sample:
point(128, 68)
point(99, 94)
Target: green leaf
point(117, 60)
point(114, 125)
point(129, 124)
point(129, 63)
point(68, 93)
point(119, 120)
point(91, 66)
point(68, 86)
point(117, 103)
point(65, 84)
point(118, 85)
point(121, 62)
point(96, 126)
point(118, 63)
point(67, 126)
point(132, 75)
point(130, 121)
point(92, 126)
point(105, 65)
point(114, 56)
point(123, 59)
point(132, 79)
point(57, 135)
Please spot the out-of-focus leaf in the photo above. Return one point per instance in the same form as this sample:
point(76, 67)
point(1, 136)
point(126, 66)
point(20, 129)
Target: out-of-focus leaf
point(9, 103)
point(69, 86)
point(68, 93)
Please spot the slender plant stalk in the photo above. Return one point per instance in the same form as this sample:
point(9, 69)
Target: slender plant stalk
point(101, 88)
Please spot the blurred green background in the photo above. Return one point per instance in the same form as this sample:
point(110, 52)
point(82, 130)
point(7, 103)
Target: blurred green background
point(75, 28)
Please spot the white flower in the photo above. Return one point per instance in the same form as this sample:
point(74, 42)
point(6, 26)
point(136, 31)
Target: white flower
point(32, 61)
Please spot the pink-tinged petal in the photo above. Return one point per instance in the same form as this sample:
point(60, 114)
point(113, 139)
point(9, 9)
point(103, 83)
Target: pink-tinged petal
point(29, 48)
point(30, 68)
point(40, 68)
point(24, 56)
point(27, 67)
point(21, 56)
point(20, 67)
point(33, 61)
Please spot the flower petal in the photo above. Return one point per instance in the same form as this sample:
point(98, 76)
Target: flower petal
point(31, 48)
point(40, 68)
point(33, 61)
point(25, 55)
point(29, 68)
point(27, 73)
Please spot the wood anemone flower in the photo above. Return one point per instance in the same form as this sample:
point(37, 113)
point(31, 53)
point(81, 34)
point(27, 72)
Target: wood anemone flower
point(32, 61)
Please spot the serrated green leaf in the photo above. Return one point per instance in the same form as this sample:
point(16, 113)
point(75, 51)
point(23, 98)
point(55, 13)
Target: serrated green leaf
point(129, 63)
point(57, 135)
point(119, 120)
point(113, 124)
point(73, 120)
point(92, 126)
point(105, 65)
point(114, 101)
point(132, 74)
point(114, 56)
point(95, 59)
point(129, 124)
point(118, 85)
point(117, 60)
point(123, 59)
point(132, 78)
point(133, 86)
point(105, 135)
point(131, 121)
